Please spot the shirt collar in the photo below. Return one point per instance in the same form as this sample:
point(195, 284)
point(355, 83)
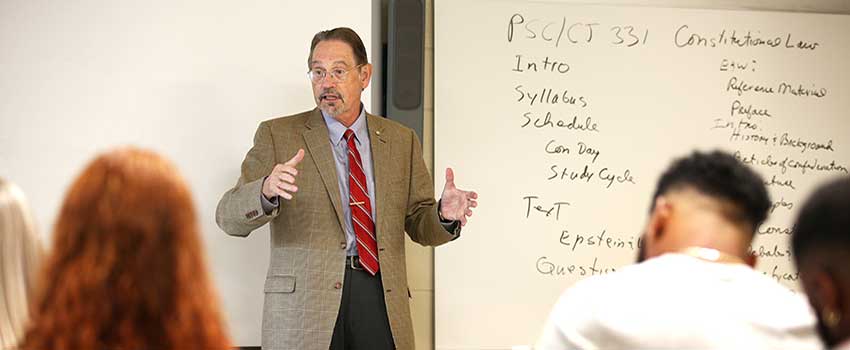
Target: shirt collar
point(336, 129)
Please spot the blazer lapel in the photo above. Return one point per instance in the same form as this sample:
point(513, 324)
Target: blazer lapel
point(381, 164)
point(318, 144)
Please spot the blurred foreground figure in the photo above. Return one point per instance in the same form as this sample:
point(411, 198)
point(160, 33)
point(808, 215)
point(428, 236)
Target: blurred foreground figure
point(821, 243)
point(127, 270)
point(20, 256)
point(696, 288)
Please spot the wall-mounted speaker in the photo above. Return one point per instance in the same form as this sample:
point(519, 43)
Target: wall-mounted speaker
point(406, 62)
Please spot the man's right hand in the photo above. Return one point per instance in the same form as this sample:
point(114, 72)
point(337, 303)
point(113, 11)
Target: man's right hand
point(281, 181)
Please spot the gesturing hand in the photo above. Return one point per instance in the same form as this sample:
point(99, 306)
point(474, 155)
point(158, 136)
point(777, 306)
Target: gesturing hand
point(281, 181)
point(456, 204)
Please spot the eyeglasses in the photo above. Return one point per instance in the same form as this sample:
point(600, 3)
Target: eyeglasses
point(317, 75)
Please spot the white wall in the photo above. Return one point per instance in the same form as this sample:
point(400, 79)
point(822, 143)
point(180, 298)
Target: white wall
point(190, 79)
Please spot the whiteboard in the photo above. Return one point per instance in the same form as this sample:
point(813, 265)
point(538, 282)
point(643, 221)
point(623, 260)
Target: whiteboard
point(190, 79)
point(563, 117)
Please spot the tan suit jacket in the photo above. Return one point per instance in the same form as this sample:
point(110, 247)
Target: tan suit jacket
point(307, 261)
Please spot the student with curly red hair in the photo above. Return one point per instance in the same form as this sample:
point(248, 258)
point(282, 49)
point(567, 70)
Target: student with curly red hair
point(127, 270)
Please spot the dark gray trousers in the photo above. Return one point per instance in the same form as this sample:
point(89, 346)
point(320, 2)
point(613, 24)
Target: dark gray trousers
point(362, 322)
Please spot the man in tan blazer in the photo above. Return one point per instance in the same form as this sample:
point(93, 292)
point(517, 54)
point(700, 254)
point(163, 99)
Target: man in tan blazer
point(337, 277)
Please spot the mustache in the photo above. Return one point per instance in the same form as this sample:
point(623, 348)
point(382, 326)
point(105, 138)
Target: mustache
point(330, 93)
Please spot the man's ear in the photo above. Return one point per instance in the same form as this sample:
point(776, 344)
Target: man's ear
point(659, 218)
point(751, 259)
point(825, 293)
point(365, 75)
point(656, 226)
point(833, 282)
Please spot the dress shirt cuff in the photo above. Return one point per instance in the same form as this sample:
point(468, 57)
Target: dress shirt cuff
point(269, 205)
point(451, 226)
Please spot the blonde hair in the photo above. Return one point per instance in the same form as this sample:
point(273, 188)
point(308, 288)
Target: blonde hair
point(20, 255)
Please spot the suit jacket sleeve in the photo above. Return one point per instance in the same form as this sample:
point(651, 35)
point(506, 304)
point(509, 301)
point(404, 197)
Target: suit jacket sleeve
point(240, 209)
point(421, 221)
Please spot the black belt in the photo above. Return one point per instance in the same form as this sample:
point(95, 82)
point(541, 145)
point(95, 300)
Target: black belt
point(353, 262)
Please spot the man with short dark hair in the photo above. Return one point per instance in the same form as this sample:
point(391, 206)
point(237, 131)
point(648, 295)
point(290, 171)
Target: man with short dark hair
point(352, 184)
point(696, 289)
point(821, 245)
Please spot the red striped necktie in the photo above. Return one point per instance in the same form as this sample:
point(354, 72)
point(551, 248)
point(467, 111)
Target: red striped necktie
point(361, 208)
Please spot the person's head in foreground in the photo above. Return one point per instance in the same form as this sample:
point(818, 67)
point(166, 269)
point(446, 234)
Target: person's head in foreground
point(821, 246)
point(20, 257)
point(127, 269)
point(696, 288)
point(707, 204)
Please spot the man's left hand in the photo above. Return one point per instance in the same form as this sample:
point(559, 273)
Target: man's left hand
point(456, 204)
